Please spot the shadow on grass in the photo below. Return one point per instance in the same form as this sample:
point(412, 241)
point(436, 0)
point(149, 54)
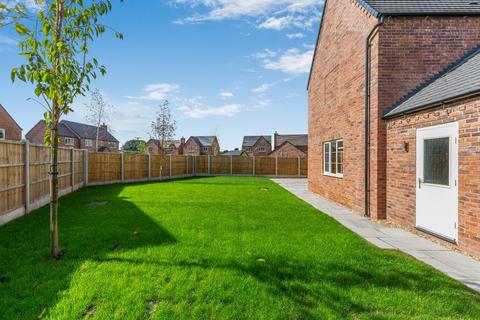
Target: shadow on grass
point(332, 289)
point(30, 281)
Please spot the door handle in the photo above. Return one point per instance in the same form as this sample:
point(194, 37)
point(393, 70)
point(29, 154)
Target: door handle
point(420, 181)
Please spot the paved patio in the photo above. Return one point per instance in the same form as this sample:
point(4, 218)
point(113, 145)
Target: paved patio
point(453, 264)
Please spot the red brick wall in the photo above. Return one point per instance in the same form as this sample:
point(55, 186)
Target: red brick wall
point(37, 133)
point(191, 148)
point(261, 143)
point(336, 101)
point(12, 131)
point(287, 150)
point(406, 52)
point(401, 168)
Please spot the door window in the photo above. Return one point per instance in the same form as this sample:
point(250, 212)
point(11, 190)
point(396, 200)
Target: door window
point(436, 161)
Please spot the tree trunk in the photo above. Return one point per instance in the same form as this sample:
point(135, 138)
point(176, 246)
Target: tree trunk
point(54, 250)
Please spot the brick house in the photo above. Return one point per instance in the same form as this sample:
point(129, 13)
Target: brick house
point(202, 146)
point(375, 145)
point(9, 128)
point(290, 145)
point(257, 145)
point(174, 147)
point(77, 135)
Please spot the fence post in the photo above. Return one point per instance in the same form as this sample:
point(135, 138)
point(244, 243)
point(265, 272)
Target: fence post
point(299, 166)
point(149, 166)
point(85, 167)
point(170, 165)
point(276, 166)
point(26, 160)
point(253, 165)
point(231, 165)
point(72, 168)
point(122, 166)
point(209, 165)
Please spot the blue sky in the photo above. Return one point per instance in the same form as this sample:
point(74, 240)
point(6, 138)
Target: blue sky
point(229, 67)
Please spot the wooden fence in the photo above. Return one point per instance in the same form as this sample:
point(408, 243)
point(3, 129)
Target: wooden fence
point(24, 171)
point(24, 176)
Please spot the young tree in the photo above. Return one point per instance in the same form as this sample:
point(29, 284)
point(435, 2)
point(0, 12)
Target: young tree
point(98, 112)
point(164, 127)
point(55, 44)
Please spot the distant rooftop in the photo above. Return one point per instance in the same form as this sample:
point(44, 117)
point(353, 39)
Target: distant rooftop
point(249, 141)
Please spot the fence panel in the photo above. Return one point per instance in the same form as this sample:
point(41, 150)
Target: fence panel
point(160, 167)
point(78, 167)
point(265, 166)
point(201, 165)
point(220, 165)
point(12, 181)
point(136, 166)
point(242, 165)
point(287, 167)
point(104, 167)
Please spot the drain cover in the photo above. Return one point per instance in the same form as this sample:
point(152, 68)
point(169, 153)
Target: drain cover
point(95, 203)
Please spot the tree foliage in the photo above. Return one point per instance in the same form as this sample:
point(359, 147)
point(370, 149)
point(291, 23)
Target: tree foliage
point(163, 127)
point(55, 42)
point(134, 146)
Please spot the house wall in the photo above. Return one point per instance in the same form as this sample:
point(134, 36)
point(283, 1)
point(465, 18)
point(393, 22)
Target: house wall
point(401, 167)
point(288, 150)
point(411, 51)
point(261, 143)
point(336, 101)
point(12, 131)
point(191, 148)
point(406, 51)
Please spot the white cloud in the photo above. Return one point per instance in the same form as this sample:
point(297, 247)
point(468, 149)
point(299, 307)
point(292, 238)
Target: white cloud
point(158, 92)
point(199, 111)
point(293, 61)
point(276, 23)
point(297, 35)
point(272, 14)
point(267, 86)
point(226, 94)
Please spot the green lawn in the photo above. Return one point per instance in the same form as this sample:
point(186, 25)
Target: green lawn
point(223, 248)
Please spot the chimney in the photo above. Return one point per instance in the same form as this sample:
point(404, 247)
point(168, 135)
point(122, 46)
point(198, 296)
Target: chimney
point(275, 137)
point(104, 127)
point(182, 140)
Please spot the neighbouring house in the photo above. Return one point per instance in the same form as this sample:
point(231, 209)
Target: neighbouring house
point(9, 128)
point(174, 147)
point(235, 153)
point(394, 109)
point(77, 135)
point(290, 145)
point(257, 145)
point(202, 146)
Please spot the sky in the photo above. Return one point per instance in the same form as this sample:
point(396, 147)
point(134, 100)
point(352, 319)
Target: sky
point(228, 67)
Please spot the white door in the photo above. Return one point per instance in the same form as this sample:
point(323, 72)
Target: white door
point(437, 180)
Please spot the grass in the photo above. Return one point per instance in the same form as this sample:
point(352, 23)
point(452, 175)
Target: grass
point(223, 248)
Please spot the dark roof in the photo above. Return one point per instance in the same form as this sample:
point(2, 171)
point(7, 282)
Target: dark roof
point(235, 153)
point(8, 114)
point(420, 7)
point(177, 143)
point(86, 131)
point(295, 139)
point(379, 8)
point(457, 81)
point(249, 141)
point(204, 141)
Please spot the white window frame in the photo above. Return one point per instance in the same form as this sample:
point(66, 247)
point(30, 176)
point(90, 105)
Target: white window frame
point(69, 141)
point(89, 143)
point(328, 172)
point(261, 149)
point(3, 134)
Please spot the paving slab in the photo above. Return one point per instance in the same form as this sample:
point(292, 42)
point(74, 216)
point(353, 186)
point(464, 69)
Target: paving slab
point(451, 263)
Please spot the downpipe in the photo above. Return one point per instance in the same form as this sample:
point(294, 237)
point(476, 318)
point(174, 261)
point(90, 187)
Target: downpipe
point(368, 47)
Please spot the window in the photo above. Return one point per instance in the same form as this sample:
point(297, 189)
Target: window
point(436, 161)
point(261, 149)
point(333, 158)
point(69, 141)
point(205, 149)
point(88, 143)
point(2, 134)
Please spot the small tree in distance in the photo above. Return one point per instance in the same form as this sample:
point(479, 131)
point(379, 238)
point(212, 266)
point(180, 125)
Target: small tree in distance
point(98, 112)
point(134, 146)
point(55, 42)
point(164, 127)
